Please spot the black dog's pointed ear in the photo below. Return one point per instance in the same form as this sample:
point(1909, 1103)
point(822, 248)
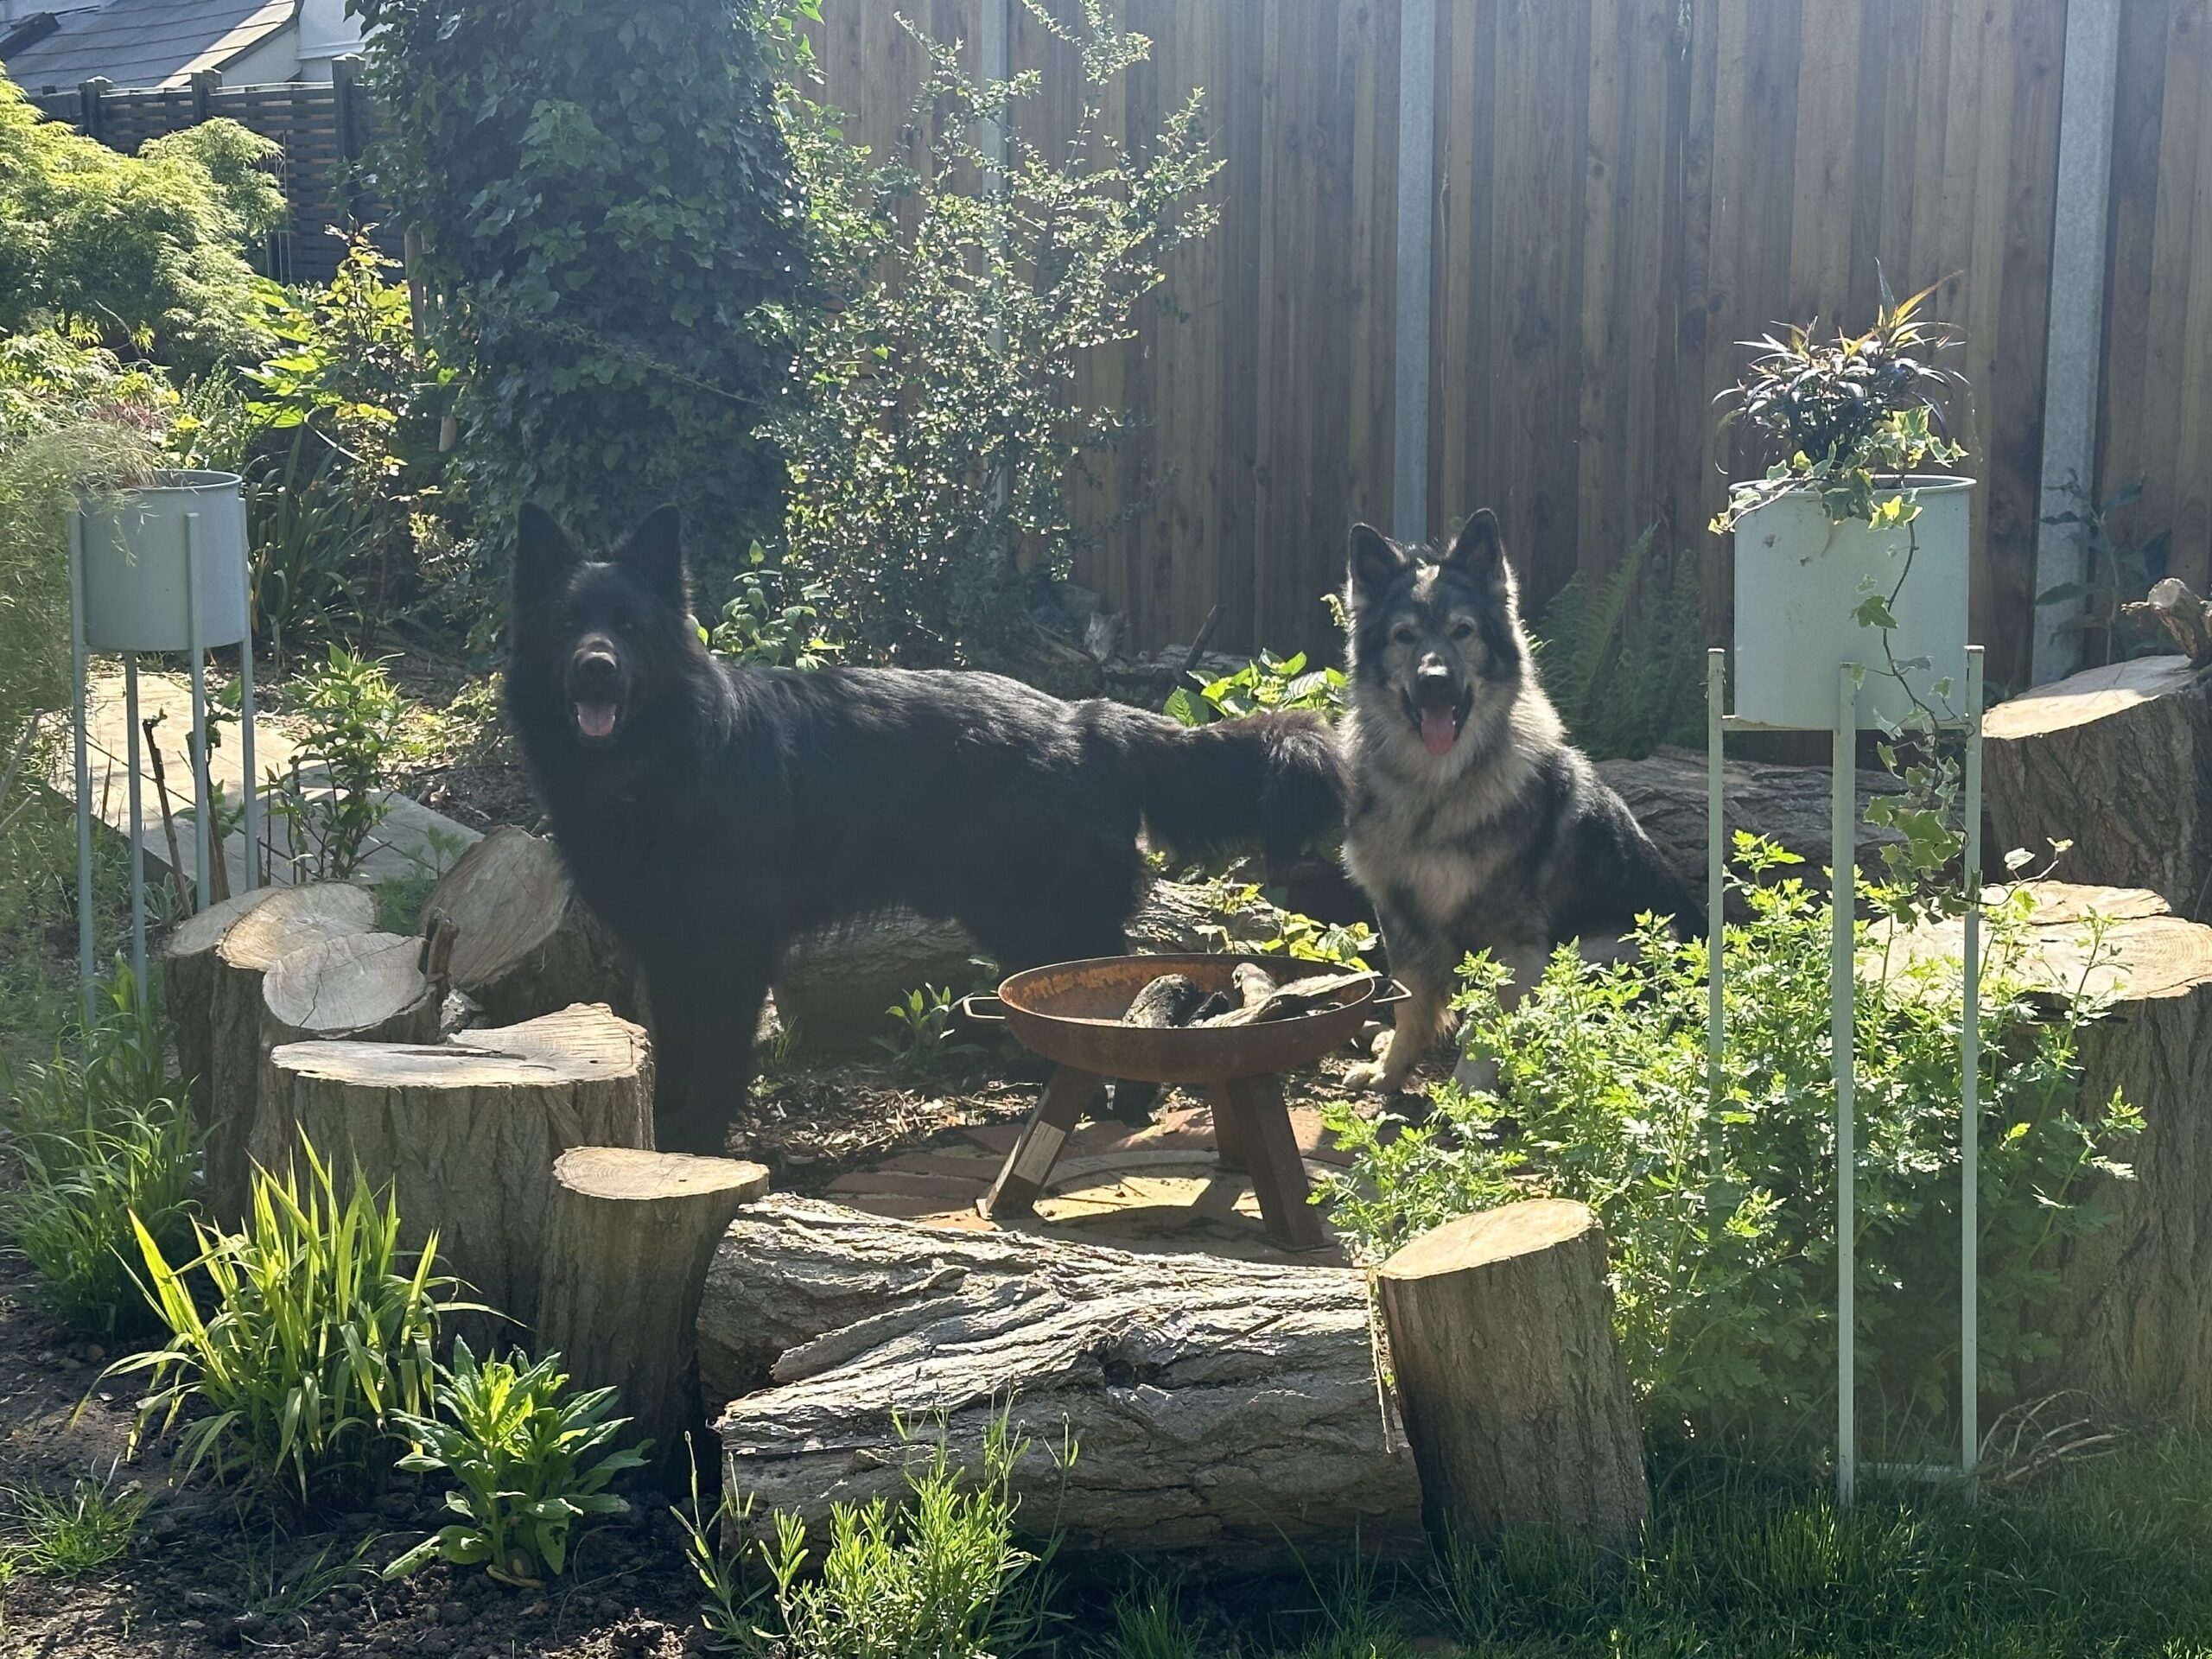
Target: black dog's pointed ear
point(654, 553)
point(1478, 551)
point(543, 552)
point(1375, 561)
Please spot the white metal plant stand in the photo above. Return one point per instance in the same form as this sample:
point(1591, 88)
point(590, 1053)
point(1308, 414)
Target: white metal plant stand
point(1843, 994)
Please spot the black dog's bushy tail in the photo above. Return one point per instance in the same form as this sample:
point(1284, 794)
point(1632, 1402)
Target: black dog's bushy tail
point(1270, 779)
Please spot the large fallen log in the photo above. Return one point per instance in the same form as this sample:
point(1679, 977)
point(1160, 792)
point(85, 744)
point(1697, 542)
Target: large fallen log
point(1225, 1413)
point(289, 920)
point(626, 1251)
point(466, 1132)
point(1517, 1404)
point(2132, 1322)
point(2118, 761)
point(836, 984)
point(524, 944)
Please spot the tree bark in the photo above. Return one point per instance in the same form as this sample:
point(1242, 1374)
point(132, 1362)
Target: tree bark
point(1516, 1401)
point(289, 919)
point(2133, 1323)
point(188, 980)
point(466, 1132)
point(626, 1251)
point(836, 984)
point(524, 943)
point(1225, 1412)
point(2118, 761)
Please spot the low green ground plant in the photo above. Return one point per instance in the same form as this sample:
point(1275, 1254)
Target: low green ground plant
point(72, 1534)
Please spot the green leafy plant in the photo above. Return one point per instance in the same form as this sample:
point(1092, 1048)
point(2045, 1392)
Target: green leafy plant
point(1719, 1207)
point(937, 441)
point(939, 1576)
point(1251, 924)
point(337, 790)
point(1846, 417)
point(1623, 661)
point(71, 1534)
point(272, 1588)
point(922, 1039)
point(772, 620)
point(1266, 682)
point(2121, 568)
point(99, 1137)
point(607, 207)
point(295, 1344)
point(528, 1465)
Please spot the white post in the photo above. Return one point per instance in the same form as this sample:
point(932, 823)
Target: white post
point(1970, 1095)
point(200, 791)
point(1716, 870)
point(137, 824)
point(1843, 1036)
point(1416, 174)
point(80, 672)
point(2074, 348)
point(252, 824)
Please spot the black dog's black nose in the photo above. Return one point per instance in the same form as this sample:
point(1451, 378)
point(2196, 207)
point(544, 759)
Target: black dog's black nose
point(595, 665)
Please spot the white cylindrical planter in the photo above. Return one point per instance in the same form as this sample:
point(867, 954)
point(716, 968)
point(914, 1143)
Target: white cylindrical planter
point(136, 560)
point(1799, 580)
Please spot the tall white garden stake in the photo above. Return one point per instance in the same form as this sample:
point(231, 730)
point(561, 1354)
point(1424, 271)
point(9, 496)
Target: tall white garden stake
point(196, 654)
point(1969, 1097)
point(1716, 880)
point(79, 676)
point(1843, 1033)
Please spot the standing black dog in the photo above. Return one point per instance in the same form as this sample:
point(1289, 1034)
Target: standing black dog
point(708, 813)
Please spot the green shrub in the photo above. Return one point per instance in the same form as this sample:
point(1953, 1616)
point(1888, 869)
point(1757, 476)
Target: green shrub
point(774, 619)
point(607, 203)
point(529, 1465)
point(1721, 1223)
point(922, 1040)
point(99, 1140)
point(337, 790)
point(938, 442)
point(1625, 663)
point(149, 248)
point(939, 1576)
point(296, 1342)
point(1267, 682)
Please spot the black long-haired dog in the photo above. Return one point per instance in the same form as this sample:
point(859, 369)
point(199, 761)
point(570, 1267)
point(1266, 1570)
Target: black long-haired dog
point(708, 813)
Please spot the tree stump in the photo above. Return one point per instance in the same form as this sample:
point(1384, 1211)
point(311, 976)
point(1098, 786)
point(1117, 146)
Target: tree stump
point(626, 1251)
point(371, 986)
point(189, 982)
point(524, 943)
point(836, 983)
point(466, 1132)
point(2118, 761)
point(1516, 1402)
point(1226, 1412)
point(289, 919)
point(2131, 1321)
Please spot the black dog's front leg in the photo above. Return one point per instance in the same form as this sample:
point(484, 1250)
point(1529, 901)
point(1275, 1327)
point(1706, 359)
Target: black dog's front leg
point(706, 1011)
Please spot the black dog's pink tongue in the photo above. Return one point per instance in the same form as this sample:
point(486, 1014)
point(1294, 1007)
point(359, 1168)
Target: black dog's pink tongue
point(1438, 731)
point(595, 719)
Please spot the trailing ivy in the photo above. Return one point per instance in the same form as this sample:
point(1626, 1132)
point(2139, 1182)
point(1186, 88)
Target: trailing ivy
point(607, 204)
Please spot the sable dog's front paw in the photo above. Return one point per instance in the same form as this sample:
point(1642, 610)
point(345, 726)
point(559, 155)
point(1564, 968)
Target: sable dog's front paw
point(1370, 1079)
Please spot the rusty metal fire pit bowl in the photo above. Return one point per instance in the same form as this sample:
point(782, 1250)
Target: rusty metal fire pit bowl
point(1070, 1014)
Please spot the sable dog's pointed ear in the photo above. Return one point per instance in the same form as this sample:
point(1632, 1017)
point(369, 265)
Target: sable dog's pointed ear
point(1478, 551)
point(654, 553)
point(543, 552)
point(1375, 560)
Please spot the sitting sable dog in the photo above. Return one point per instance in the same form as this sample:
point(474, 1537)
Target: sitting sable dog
point(1473, 823)
point(708, 813)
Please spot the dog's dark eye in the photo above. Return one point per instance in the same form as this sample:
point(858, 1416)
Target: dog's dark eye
point(1462, 629)
point(1405, 634)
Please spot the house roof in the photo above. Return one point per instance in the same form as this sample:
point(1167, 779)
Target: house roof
point(140, 43)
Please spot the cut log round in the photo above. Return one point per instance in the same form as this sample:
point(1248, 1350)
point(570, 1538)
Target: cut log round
point(1225, 1412)
point(835, 984)
point(626, 1251)
point(1789, 805)
point(189, 983)
point(2133, 1324)
point(466, 1132)
point(289, 919)
point(369, 986)
point(524, 943)
point(2118, 761)
point(1516, 1402)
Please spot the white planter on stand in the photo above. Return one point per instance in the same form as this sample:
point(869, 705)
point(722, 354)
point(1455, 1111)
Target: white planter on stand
point(1799, 580)
point(160, 567)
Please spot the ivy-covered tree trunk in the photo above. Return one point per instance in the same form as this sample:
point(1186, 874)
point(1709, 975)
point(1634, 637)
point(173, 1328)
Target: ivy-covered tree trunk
point(605, 202)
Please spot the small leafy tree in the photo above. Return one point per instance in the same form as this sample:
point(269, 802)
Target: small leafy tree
point(607, 203)
point(938, 435)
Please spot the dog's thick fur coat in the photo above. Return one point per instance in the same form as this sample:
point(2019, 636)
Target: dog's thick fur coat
point(708, 813)
point(1473, 824)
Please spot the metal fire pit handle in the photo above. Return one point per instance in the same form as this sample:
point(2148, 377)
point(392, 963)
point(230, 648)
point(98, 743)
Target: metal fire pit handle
point(1392, 993)
point(970, 1008)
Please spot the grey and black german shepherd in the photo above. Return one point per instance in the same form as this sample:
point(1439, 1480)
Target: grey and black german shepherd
point(1473, 823)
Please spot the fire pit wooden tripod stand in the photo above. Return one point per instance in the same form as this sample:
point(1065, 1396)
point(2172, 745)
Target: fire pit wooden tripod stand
point(1070, 1014)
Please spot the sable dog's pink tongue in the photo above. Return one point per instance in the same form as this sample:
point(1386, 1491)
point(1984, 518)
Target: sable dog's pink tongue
point(595, 719)
point(1438, 731)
